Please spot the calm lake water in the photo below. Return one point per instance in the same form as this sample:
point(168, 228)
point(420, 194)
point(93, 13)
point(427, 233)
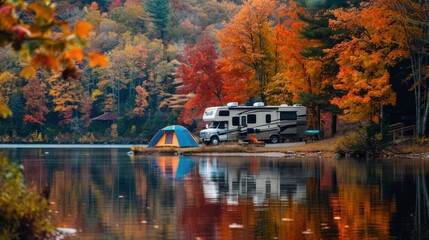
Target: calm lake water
point(107, 194)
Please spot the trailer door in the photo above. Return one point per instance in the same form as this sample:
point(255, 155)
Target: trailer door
point(243, 125)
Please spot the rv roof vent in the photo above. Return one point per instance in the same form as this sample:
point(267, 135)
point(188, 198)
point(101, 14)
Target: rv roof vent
point(297, 105)
point(258, 104)
point(232, 104)
point(284, 105)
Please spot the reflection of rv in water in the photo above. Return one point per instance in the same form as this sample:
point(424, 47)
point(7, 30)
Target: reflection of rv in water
point(231, 182)
point(273, 124)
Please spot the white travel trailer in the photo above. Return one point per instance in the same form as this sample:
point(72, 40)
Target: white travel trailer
point(273, 124)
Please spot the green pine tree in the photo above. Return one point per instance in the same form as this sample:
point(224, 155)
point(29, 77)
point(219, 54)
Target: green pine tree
point(159, 11)
point(317, 28)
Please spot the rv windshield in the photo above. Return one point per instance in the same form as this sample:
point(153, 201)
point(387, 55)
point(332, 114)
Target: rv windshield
point(220, 125)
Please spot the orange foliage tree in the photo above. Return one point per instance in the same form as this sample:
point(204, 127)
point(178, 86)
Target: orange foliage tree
point(297, 74)
point(198, 72)
point(371, 45)
point(249, 61)
point(141, 100)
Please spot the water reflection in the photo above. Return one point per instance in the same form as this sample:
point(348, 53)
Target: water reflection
point(105, 194)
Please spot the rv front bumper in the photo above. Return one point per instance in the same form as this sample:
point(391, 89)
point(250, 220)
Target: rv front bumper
point(205, 137)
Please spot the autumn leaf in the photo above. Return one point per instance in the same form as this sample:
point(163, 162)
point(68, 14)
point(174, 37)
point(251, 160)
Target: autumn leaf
point(97, 59)
point(41, 11)
point(82, 29)
point(76, 54)
point(95, 94)
point(5, 111)
point(28, 72)
point(51, 63)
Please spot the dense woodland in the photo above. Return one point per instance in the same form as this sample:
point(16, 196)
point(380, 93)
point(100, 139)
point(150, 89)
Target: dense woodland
point(159, 62)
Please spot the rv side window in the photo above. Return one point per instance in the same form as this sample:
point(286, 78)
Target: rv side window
point(235, 121)
point(223, 113)
point(287, 115)
point(268, 118)
point(251, 118)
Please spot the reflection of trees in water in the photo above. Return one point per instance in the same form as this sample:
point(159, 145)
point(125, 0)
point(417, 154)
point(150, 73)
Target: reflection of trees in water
point(421, 213)
point(341, 198)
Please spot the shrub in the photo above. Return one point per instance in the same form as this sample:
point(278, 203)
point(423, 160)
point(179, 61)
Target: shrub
point(362, 142)
point(23, 214)
point(351, 142)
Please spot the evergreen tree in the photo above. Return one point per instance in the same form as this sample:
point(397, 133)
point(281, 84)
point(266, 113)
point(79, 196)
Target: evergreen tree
point(318, 29)
point(159, 11)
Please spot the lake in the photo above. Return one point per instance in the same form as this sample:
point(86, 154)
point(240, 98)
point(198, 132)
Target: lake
point(108, 194)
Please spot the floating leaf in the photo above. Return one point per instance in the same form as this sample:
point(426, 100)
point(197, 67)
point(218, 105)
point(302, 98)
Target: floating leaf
point(97, 59)
point(82, 29)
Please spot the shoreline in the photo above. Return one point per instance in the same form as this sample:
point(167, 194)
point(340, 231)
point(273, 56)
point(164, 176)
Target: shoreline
point(70, 145)
point(319, 149)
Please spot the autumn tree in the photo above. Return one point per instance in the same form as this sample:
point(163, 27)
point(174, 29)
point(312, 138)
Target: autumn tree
point(140, 101)
point(248, 56)
point(85, 109)
point(298, 75)
point(414, 18)
point(35, 101)
point(126, 71)
point(67, 96)
point(198, 72)
point(371, 44)
point(316, 28)
point(130, 15)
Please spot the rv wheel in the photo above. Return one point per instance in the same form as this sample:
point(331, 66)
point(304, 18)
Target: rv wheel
point(274, 139)
point(214, 141)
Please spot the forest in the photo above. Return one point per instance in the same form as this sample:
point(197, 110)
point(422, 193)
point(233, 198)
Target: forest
point(118, 71)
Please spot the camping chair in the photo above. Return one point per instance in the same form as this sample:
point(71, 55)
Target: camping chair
point(255, 141)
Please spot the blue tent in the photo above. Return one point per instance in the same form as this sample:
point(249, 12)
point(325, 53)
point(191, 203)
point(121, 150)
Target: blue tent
point(173, 136)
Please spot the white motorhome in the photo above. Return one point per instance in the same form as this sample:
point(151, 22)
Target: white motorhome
point(272, 124)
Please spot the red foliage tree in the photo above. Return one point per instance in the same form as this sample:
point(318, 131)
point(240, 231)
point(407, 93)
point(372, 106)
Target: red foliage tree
point(199, 74)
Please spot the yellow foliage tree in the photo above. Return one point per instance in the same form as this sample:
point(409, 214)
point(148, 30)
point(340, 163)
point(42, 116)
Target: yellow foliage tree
point(248, 57)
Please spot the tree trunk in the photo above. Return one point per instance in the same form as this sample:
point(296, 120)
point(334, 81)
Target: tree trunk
point(334, 124)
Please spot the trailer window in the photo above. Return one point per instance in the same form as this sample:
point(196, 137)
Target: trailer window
point(268, 118)
point(235, 121)
point(243, 121)
point(287, 115)
point(251, 118)
point(223, 113)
